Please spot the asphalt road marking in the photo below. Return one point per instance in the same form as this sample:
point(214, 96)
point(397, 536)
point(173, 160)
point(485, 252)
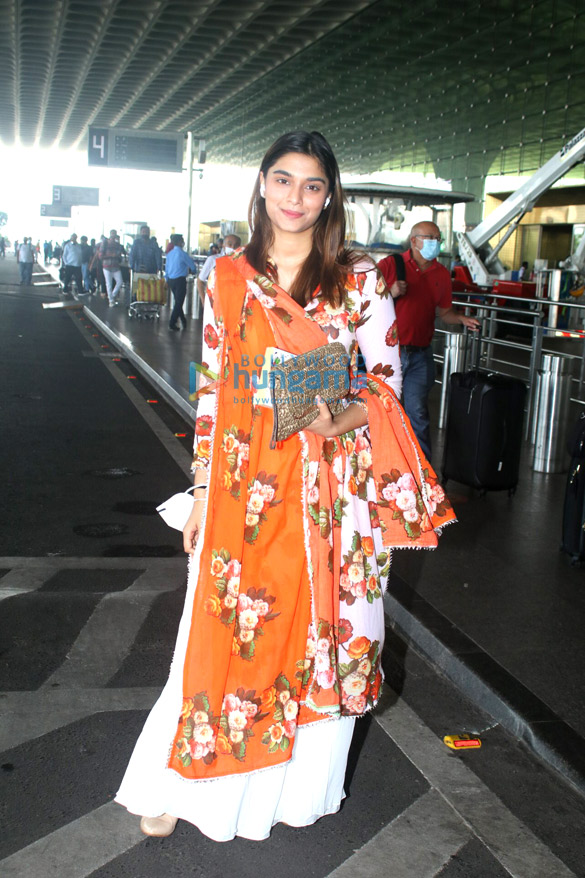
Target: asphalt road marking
point(79, 848)
point(397, 851)
point(54, 708)
point(104, 641)
point(505, 836)
point(20, 580)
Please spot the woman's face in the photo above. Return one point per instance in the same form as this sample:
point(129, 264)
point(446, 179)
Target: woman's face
point(296, 189)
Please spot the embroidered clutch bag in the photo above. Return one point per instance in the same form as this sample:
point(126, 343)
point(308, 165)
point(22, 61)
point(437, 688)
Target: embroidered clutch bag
point(295, 383)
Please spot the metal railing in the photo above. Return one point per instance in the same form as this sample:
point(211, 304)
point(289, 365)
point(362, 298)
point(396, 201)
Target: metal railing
point(520, 355)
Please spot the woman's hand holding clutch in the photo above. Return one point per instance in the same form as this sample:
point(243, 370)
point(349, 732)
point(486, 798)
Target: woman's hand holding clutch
point(327, 425)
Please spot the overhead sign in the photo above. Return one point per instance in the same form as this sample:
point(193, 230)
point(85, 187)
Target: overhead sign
point(76, 195)
point(55, 210)
point(132, 148)
point(59, 222)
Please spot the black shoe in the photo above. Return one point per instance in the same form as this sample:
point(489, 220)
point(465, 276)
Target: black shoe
point(184, 322)
point(175, 328)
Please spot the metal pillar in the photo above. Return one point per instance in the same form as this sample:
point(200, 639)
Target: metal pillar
point(553, 397)
point(191, 154)
point(454, 361)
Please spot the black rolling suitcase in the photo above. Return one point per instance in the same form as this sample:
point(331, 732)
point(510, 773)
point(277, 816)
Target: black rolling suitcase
point(574, 509)
point(484, 430)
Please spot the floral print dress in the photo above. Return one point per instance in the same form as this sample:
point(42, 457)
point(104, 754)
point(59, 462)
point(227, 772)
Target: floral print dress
point(363, 504)
point(365, 322)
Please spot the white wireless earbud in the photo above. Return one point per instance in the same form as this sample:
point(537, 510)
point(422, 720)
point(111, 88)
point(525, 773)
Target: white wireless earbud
point(262, 190)
point(327, 202)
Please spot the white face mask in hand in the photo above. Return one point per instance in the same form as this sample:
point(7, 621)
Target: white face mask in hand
point(176, 510)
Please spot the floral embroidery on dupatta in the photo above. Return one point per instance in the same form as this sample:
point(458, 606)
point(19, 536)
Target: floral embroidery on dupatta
point(357, 579)
point(236, 445)
point(320, 661)
point(247, 613)
point(198, 731)
point(359, 450)
point(283, 697)
point(240, 711)
point(261, 494)
point(361, 677)
point(410, 506)
point(265, 292)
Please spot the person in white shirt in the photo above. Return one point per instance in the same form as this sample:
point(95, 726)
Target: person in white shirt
point(72, 258)
point(231, 243)
point(26, 258)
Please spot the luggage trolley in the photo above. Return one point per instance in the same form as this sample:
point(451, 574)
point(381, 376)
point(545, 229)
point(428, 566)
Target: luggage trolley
point(148, 293)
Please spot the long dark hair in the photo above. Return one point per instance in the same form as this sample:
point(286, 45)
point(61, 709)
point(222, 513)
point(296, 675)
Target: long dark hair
point(328, 262)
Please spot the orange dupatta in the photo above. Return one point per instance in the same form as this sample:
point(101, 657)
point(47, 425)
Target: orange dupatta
point(267, 641)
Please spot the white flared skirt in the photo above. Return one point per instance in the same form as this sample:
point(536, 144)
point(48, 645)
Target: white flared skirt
point(299, 792)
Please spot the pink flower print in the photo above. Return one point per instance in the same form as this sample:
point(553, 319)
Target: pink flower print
point(356, 703)
point(322, 662)
point(411, 515)
point(326, 679)
point(249, 709)
point(234, 568)
point(406, 500)
point(361, 444)
point(313, 495)
point(437, 493)
point(290, 728)
point(354, 684)
point(248, 620)
point(230, 702)
point(391, 492)
point(244, 603)
point(267, 493)
point(261, 607)
point(345, 582)
point(237, 720)
point(291, 709)
point(407, 482)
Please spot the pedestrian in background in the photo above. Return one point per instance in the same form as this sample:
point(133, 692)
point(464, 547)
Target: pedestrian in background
point(111, 254)
point(424, 293)
point(86, 257)
point(290, 540)
point(231, 244)
point(177, 267)
point(72, 259)
point(145, 256)
point(26, 258)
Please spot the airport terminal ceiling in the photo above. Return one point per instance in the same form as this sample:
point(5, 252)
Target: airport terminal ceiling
point(459, 90)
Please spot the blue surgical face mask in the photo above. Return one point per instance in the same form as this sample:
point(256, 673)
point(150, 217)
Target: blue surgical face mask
point(430, 249)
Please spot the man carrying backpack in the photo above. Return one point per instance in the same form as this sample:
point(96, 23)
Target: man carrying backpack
point(421, 289)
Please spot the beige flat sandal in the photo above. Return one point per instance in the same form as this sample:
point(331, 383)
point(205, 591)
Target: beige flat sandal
point(159, 827)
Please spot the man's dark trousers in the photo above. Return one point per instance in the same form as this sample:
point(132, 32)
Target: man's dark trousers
point(178, 287)
point(73, 271)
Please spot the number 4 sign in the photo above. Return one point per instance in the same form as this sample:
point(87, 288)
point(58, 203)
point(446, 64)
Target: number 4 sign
point(97, 153)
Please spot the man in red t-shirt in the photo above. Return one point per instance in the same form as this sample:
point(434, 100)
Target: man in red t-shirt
point(425, 293)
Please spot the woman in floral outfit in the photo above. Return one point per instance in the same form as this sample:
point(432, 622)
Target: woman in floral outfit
point(279, 647)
